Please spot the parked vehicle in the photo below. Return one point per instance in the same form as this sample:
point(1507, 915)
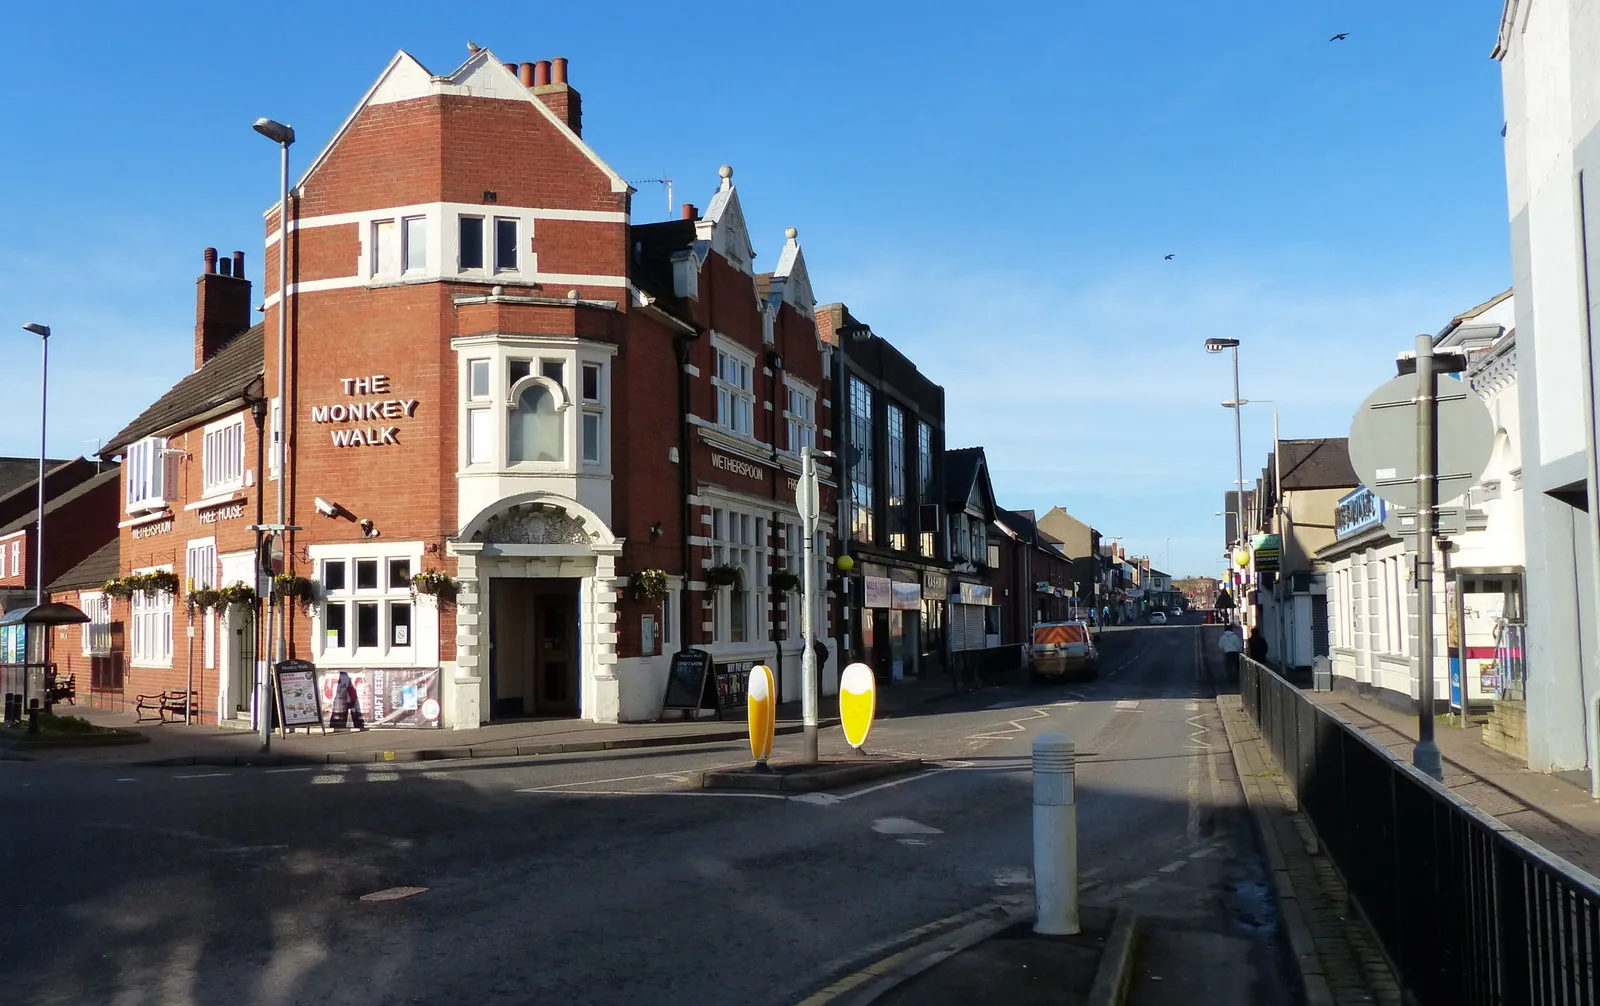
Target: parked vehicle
point(1158, 617)
point(1064, 651)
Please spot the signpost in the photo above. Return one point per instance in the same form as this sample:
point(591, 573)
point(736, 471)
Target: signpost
point(762, 713)
point(808, 501)
point(1451, 437)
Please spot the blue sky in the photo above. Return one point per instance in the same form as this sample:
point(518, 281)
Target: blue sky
point(992, 188)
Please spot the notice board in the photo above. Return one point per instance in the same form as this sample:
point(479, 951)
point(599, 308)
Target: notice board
point(686, 680)
point(299, 702)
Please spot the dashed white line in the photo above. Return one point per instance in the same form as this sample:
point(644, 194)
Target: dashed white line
point(327, 780)
point(383, 776)
point(1127, 703)
point(128, 779)
point(1175, 867)
point(1141, 883)
point(203, 775)
point(292, 768)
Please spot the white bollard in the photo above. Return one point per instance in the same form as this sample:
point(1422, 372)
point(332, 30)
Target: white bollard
point(1055, 836)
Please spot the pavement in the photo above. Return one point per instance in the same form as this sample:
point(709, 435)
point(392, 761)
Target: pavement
point(1548, 809)
point(193, 744)
point(602, 877)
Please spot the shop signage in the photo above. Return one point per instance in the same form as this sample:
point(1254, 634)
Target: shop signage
point(737, 467)
point(935, 583)
point(365, 410)
point(405, 697)
point(1357, 512)
point(972, 593)
point(1268, 549)
point(229, 512)
point(876, 592)
point(158, 527)
point(905, 596)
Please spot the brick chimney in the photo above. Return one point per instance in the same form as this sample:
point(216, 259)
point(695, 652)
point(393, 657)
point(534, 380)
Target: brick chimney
point(222, 305)
point(551, 87)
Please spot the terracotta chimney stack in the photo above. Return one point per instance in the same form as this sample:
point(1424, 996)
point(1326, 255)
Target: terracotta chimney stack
point(527, 75)
point(222, 305)
point(550, 85)
point(690, 212)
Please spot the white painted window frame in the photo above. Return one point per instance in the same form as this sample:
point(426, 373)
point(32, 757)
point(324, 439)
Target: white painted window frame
point(799, 421)
point(385, 654)
point(97, 632)
point(730, 393)
point(151, 614)
point(222, 466)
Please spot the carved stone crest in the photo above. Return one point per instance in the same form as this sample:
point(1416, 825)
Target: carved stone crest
point(534, 525)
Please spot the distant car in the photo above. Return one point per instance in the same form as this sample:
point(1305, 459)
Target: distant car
point(1158, 618)
point(1064, 650)
point(1177, 613)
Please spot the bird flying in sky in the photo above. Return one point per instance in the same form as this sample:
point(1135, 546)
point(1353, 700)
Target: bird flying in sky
point(1340, 37)
point(1169, 258)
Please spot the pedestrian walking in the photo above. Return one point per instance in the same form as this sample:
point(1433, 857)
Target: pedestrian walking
point(1256, 645)
point(346, 703)
point(1231, 646)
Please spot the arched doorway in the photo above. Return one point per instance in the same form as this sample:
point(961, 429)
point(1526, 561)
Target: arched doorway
point(536, 629)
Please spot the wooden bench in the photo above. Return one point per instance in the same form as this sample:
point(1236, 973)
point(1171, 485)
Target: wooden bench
point(168, 706)
point(62, 688)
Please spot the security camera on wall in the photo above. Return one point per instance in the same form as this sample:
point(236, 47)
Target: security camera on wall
point(327, 509)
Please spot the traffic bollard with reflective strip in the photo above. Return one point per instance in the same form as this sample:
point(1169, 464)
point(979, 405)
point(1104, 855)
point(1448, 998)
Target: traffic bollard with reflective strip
point(1055, 836)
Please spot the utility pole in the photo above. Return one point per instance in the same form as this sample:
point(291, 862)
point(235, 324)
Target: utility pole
point(808, 501)
point(1426, 755)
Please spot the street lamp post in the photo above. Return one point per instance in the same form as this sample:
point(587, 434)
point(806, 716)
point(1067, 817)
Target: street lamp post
point(283, 136)
point(1217, 346)
point(1277, 507)
point(43, 332)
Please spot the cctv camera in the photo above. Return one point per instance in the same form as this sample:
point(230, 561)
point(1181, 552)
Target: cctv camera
point(327, 509)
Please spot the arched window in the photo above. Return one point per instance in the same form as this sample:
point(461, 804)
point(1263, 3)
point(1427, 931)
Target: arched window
point(535, 432)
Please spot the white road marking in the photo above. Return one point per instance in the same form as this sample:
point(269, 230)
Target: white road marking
point(1175, 867)
point(911, 841)
point(1192, 707)
point(294, 768)
point(383, 777)
point(1016, 877)
point(817, 799)
point(128, 779)
point(1203, 852)
point(557, 787)
point(1127, 703)
point(912, 777)
point(327, 780)
point(203, 775)
point(903, 826)
point(1141, 883)
point(393, 893)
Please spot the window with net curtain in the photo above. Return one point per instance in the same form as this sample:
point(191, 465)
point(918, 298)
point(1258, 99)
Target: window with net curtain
point(535, 427)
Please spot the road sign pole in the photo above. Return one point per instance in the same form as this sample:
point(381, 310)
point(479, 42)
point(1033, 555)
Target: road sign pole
point(808, 500)
point(1426, 755)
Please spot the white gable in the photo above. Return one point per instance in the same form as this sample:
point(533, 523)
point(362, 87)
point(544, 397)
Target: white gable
point(724, 227)
point(792, 277)
point(482, 75)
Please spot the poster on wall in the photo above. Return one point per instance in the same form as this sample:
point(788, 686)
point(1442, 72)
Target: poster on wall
point(401, 697)
point(876, 592)
point(905, 596)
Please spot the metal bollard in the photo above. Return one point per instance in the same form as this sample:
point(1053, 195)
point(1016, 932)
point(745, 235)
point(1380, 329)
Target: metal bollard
point(1055, 836)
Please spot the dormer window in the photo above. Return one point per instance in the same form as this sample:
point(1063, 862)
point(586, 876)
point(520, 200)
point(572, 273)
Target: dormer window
point(151, 474)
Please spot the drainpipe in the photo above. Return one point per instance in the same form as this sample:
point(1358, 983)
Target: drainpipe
point(1591, 704)
point(681, 344)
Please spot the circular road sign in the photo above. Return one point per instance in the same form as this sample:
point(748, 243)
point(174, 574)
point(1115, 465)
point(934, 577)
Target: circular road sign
point(1383, 440)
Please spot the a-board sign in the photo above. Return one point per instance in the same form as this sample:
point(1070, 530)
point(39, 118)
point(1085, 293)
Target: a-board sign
point(686, 680)
point(733, 684)
point(299, 700)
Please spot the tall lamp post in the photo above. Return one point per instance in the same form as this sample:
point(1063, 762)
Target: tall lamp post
point(1277, 504)
point(1217, 346)
point(43, 332)
point(283, 136)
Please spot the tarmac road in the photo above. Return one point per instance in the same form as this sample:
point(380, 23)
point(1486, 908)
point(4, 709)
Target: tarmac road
point(600, 879)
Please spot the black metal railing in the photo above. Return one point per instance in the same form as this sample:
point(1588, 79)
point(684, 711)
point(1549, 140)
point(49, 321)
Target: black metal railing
point(1469, 911)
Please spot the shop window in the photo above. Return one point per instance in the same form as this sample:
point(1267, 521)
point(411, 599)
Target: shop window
point(222, 460)
point(470, 254)
point(535, 432)
point(367, 608)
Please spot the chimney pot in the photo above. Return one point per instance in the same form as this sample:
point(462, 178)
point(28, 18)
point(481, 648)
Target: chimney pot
point(689, 212)
point(527, 75)
point(211, 260)
point(558, 70)
point(541, 73)
point(512, 67)
point(238, 265)
point(225, 267)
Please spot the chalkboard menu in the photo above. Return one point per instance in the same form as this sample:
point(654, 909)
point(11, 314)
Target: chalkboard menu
point(298, 697)
point(686, 680)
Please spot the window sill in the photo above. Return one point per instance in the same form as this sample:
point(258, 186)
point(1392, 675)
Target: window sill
point(152, 665)
point(218, 498)
point(146, 517)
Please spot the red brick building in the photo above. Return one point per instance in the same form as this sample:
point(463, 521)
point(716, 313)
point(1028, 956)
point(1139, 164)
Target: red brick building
point(190, 489)
point(496, 376)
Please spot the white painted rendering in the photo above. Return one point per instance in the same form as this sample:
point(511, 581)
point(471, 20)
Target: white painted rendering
point(724, 228)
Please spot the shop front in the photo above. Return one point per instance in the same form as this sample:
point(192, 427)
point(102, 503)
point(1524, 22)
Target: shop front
point(896, 623)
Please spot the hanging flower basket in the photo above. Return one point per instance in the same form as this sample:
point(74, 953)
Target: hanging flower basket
point(205, 599)
point(436, 584)
point(725, 576)
point(238, 593)
point(159, 582)
point(117, 587)
point(785, 581)
point(649, 584)
point(287, 586)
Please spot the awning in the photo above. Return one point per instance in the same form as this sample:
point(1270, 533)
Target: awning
point(51, 613)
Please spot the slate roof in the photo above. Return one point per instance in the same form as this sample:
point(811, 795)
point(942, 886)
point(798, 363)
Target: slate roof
point(100, 566)
point(111, 474)
point(650, 265)
point(1024, 527)
point(960, 468)
point(18, 472)
point(1323, 463)
point(226, 376)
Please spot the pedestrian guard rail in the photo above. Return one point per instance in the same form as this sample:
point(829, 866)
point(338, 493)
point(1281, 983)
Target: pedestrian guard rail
point(1468, 910)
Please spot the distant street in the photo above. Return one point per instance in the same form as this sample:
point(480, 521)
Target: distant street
point(597, 879)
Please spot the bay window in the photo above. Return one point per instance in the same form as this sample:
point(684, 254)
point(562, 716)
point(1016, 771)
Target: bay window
point(150, 474)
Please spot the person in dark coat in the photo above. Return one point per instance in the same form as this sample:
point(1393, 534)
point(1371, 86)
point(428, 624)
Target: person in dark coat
point(1257, 645)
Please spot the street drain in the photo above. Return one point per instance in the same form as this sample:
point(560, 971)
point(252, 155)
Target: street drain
point(393, 893)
